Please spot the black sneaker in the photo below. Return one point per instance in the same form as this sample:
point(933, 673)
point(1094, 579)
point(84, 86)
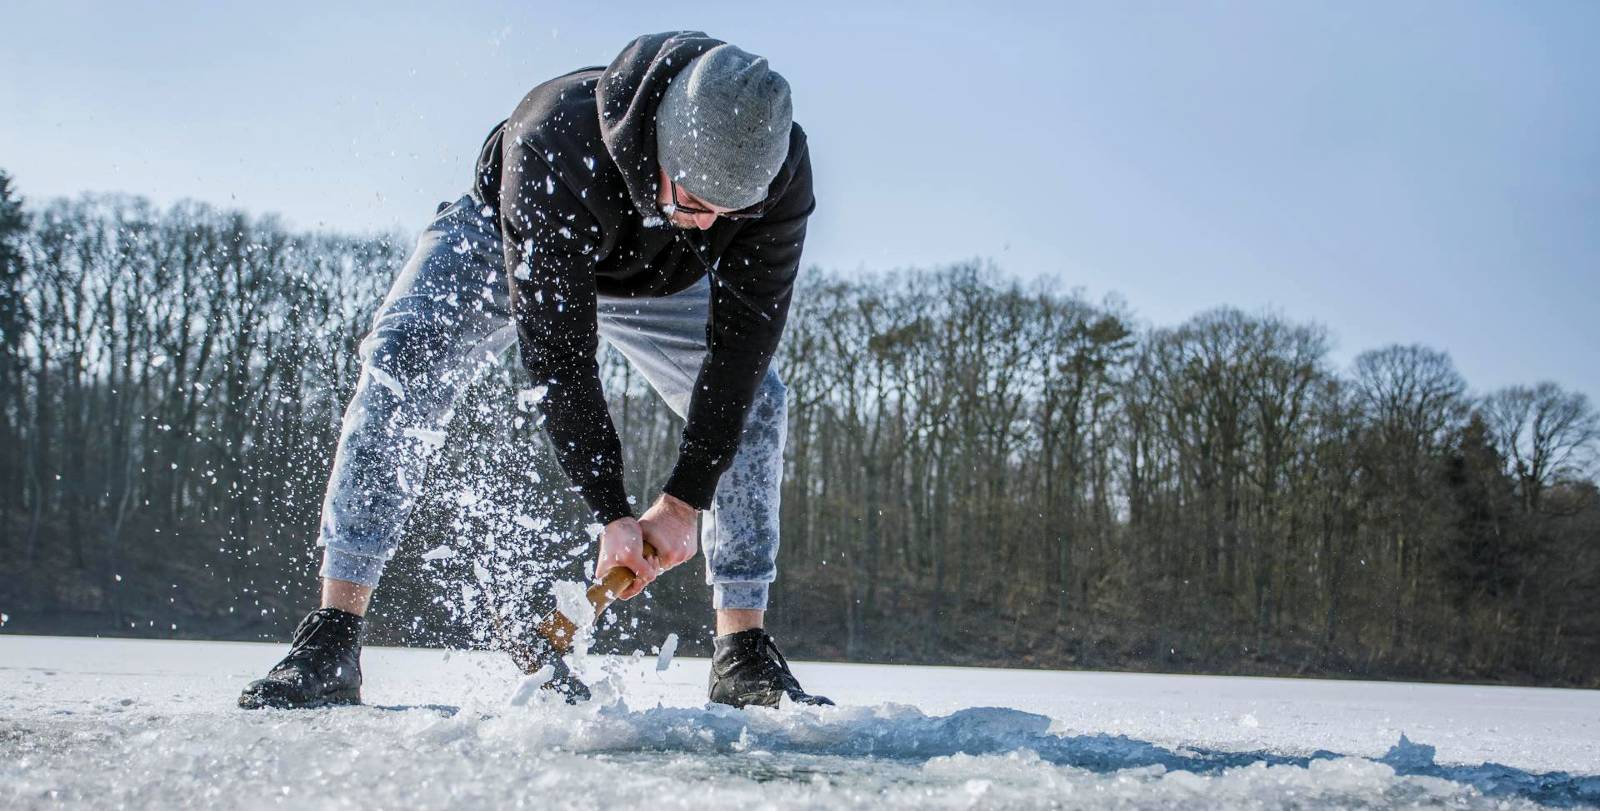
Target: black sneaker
point(323, 667)
point(748, 668)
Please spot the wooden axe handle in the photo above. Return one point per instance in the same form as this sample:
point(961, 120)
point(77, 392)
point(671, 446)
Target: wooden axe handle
point(559, 630)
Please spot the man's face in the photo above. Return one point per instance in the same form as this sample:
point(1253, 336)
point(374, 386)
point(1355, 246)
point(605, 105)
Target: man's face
point(678, 217)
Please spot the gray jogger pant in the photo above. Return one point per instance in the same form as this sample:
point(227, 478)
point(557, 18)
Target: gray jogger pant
point(447, 319)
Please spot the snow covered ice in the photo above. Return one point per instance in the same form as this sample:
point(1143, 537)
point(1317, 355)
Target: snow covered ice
point(151, 724)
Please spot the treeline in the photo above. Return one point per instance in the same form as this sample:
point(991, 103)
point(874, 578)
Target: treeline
point(170, 388)
point(979, 470)
point(984, 465)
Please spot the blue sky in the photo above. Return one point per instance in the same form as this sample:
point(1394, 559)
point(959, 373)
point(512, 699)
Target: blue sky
point(1401, 172)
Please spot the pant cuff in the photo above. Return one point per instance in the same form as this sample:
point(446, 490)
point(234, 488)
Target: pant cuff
point(749, 594)
point(363, 570)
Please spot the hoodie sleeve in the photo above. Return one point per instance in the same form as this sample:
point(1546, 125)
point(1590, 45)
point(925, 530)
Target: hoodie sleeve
point(552, 290)
point(750, 295)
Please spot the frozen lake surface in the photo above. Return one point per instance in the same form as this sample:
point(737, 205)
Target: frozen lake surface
point(87, 723)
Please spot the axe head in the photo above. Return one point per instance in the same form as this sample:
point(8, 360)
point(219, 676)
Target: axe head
point(554, 636)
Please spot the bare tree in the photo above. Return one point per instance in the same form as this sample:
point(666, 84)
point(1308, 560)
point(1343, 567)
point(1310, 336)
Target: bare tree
point(1546, 432)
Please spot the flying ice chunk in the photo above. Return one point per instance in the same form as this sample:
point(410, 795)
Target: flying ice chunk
point(530, 686)
point(523, 272)
point(440, 552)
point(387, 381)
point(464, 247)
point(434, 440)
point(530, 523)
point(669, 649)
point(573, 602)
point(528, 398)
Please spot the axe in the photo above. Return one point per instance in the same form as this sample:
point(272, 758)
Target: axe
point(554, 635)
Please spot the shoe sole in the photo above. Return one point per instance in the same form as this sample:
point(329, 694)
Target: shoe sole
point(341, 698)
point(767, 700)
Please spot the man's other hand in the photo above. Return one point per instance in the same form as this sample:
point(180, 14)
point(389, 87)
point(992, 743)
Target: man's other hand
point(669, 526)
point(622, 544)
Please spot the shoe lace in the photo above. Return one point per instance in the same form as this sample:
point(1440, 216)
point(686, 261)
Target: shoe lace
point(778, 666)
point(306, 644)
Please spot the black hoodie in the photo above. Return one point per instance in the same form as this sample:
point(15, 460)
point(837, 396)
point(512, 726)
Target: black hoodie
point(573, 176)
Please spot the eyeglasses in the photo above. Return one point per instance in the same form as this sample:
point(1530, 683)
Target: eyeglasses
point(695, 211)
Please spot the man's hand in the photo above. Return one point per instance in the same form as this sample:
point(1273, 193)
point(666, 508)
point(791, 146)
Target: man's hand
point(622, 544)
point(669, 526)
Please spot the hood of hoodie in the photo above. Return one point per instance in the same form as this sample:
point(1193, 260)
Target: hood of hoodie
point(627, 95)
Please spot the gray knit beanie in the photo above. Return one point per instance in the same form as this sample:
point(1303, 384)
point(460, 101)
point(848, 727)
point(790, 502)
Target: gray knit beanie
point(722, 129)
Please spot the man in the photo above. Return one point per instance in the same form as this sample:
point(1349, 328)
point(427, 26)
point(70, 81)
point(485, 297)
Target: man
point(661, 203)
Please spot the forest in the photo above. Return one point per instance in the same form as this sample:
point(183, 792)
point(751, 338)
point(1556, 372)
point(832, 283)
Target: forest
point(980, 470)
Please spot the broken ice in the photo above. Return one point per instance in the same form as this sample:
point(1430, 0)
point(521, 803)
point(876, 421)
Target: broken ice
point(527, 399)
point(387, 381)
point(669, 648)
point(431, 439)
point(440, 552)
